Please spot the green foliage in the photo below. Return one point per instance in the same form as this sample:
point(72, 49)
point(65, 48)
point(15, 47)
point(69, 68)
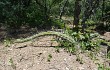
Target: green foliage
point(71, 40)
point(49, 57)
point(70, 47)
point(57, 49)
point(92, 55)
point(58, 23)
point(102, 67)
point(7, 42)
point(104, 20)
point(79, 59)
point(84, 41)
point(12, 63)
point(103, 26)
point(11, 13)
point(108, 54)
point(16, 14)
point(107, 11)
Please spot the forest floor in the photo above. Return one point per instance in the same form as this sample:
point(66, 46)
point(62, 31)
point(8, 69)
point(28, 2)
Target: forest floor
point(41, 54)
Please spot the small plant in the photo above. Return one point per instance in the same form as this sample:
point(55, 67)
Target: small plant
point(91, 55)
point(7, 42)
point(70, 47)
point(102, 67)
point(57, 49)
point(85, 41)
point(71, 50)
point(58, 23)
point(108, 54)
point(49, 57)
point(12, 64)
point(79, 59)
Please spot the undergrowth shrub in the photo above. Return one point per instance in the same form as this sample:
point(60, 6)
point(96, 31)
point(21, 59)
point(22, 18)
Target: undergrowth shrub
point(58, 23)
point(85, 41)
point(103, 26)
point(15, 14)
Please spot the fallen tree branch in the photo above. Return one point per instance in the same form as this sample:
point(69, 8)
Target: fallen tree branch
point(58, 34)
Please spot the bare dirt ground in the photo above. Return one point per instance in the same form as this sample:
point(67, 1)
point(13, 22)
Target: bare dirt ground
point(41, 54)
point(37, 58)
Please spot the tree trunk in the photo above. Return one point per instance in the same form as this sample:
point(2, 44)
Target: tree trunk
point(103, 6)
point(77, 12)
point(62, 10)
point(90, 7)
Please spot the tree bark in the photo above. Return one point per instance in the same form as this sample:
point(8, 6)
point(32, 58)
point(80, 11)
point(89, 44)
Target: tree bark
point(77, 12)
point(88, 12)
point(103, 6)
point(62, 10)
